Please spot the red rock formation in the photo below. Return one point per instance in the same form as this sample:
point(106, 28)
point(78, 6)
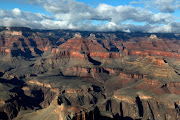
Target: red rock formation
point(153, 85)
point(164, 54)
point(174, 87)
point(4, 50)
point(100, 54)
point(113, 71)
point(79, 71)
point(140, 53)
point(82, 45)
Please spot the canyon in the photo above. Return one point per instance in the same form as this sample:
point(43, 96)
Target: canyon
point(83, 75)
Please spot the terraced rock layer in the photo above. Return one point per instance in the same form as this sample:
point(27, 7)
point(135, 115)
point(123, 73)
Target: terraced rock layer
point(63, 75)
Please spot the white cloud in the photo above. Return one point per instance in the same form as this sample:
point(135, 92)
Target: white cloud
point(70, 14)
point(17, 18)
point(123, 13)
point(165, 5)
point(51, 24)
point(134, 2)
point(16, 11)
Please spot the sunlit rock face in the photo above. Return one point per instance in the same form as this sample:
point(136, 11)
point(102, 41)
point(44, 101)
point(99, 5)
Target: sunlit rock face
point(63, 74)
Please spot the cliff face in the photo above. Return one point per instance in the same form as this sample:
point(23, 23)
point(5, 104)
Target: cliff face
point(82, 75)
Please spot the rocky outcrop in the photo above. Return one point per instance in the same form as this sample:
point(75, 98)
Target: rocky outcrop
point(22, 97)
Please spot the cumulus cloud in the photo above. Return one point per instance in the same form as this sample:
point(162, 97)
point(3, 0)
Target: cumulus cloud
point(165, 6)
point(16, 18)
point(70, 14)
point(173, 27)
point(16, 11)
point(123, 13)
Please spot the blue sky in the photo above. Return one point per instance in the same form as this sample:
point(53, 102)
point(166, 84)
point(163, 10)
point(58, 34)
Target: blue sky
point(24, 6)
point(98, 15)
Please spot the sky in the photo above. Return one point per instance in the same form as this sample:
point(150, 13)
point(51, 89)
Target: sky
point(148, 16)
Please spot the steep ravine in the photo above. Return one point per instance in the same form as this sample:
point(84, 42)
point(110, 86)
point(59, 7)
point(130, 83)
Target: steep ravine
point(23, 97)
